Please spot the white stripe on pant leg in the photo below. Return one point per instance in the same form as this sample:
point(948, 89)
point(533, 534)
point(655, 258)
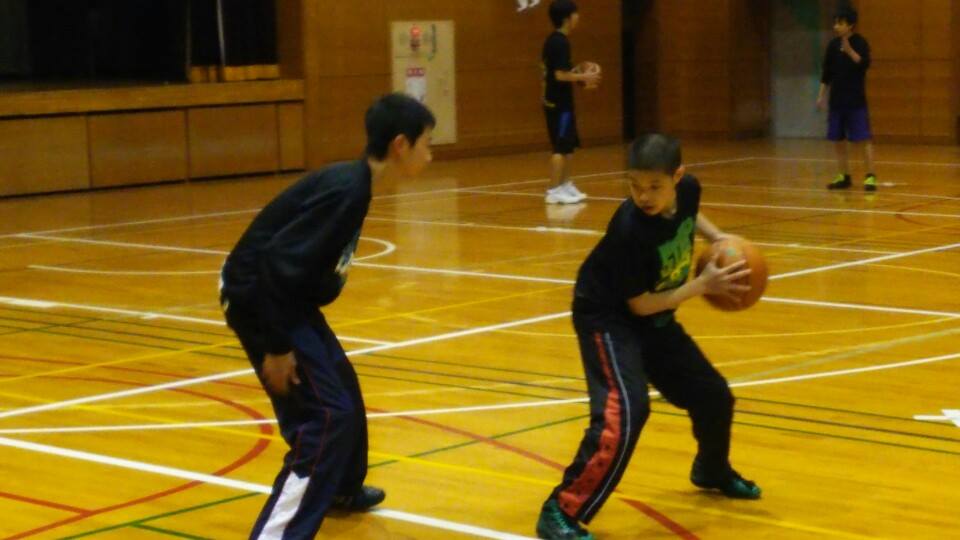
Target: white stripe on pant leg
point(285, 508)
point(612, 356)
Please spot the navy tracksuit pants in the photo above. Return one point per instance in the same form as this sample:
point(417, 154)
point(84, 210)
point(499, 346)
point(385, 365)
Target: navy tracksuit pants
point(323, 421)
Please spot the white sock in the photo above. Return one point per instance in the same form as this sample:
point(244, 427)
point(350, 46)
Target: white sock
point(523, 4)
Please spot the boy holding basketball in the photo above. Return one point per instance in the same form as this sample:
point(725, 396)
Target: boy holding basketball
point(623, 312)
point(292, 259)
point(845, 66)
point(558, 79)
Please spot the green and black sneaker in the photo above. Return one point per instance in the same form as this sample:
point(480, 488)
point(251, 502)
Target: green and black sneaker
point(730, 483)
point(870, 182)
point(556, 525)
point(842, 181)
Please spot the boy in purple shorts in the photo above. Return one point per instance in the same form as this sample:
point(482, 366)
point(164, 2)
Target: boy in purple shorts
point(844, 73)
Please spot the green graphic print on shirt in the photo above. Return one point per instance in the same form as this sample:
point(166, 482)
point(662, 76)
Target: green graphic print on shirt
point(675, 258)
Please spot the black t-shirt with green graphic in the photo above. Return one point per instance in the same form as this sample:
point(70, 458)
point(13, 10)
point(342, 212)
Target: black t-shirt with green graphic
point(639, 254)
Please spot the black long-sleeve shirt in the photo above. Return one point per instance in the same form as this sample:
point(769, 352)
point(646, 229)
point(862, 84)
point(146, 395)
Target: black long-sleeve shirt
point(846, 78)
point(294, 256)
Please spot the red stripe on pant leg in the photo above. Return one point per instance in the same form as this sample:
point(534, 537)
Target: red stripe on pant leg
point(573, 497)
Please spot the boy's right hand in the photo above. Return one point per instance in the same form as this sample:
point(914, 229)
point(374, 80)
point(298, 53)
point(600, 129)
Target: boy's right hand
point(821, 102)
point(591, 79)
point(279, 372)
point(722, 281)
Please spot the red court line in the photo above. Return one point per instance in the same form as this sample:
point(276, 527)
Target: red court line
point(255, 451)
point(41, 502)
point(651, 512)
point(127, 369)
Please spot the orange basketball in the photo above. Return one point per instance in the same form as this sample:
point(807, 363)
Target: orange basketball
point(732, 250)
point(587, 67)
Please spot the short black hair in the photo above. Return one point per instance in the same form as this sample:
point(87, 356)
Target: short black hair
point(392, 115)
point(654, 152)
point(560, 10)
point(848, 14)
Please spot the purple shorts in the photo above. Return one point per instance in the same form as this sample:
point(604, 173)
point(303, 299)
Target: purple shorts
point(849, 124)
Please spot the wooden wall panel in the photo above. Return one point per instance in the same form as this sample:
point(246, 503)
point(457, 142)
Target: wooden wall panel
point(912, 86)
point(233, 140)
point(290, 125)
point(704, 65)
point(347, 65)
point(290, 38)
point(134, 148)
point(43, 154)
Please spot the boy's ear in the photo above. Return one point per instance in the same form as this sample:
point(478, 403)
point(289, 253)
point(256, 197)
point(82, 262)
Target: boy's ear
point(399, 145)
point(681, 170)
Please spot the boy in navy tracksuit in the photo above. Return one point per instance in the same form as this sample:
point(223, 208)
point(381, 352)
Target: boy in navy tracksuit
point(292, 259)
point(845, 66)
point(623, 312)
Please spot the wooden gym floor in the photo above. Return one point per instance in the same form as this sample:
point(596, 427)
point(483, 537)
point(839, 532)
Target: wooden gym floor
point(128, 410)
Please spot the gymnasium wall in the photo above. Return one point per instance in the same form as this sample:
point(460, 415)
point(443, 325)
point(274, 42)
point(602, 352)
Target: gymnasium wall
point(703, 67)
point(706, 66)
point(347, 64)
point(913, 84)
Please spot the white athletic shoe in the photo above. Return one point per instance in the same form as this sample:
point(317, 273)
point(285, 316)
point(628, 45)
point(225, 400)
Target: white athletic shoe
point(572, 190)
point(559, 195)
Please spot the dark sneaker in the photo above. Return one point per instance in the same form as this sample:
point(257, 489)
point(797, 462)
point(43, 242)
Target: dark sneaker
point(730, 483)
point(842, 181)
point(366, 498)
point(870, 183)
point(555, 525)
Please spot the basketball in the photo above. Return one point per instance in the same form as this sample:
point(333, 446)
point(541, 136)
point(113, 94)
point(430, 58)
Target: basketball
point(732, 250)
point(587, 67)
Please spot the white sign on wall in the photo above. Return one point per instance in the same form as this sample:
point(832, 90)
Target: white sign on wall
point(424, 66)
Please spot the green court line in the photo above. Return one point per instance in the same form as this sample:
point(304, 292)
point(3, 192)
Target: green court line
point(465, 387)
point(219, 502)
point(458, 364)
point(470, 377)
point(827, 435)
point(169, 532)
point(851, 426)
point(492, 437)
point(503, 435)
point(832, 409)
point(161, 516)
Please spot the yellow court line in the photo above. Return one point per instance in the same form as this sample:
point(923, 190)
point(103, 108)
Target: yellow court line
point(861, 239)
point(480, 473)
point(832, 332)
point(139, 416)
point(163, 354)
point(921, 270)
point(844, 348)
point(137, 358)
point(452, 306)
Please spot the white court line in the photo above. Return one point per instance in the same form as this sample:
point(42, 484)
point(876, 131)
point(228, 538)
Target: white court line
point(242, 372)
point(862, 307)
point(378, 197)
point(507, 406)
point(833, 210)
point(447, 272)
point(865, 261)
point(67, 270)
point(534, 229)
point(134, 427)
point(243, 486)
point(145, 315)
point(824, 160)
point(822, 191)
point(744, 205)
